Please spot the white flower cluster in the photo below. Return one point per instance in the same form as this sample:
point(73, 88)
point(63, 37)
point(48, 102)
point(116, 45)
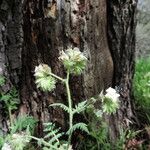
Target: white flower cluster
point(110, 101)
point(73, 60)
point(44, 80)
point(112, 94)
point(17, 141)
point(6, 146)
point(42, 70)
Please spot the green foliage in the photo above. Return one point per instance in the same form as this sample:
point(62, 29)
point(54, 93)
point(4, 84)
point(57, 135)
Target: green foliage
point(98, 138)
point(98, 131)
point(100, 134)
point(81, 126)
point(53, 134)
point(126, 135)
point(19, 141)
point(141, 86)
point(51, 140)
point(19, 129)
point(1, 141)
point(64, 107)
point(10, 99)
point(80, 107)
point(109, 106)
point(21, 124)
point(47, 83)
point(20, 132)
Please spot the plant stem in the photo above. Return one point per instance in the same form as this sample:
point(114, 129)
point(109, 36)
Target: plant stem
point(10, 117)
point(44, 142)
point(70, 107)
point(57, 77)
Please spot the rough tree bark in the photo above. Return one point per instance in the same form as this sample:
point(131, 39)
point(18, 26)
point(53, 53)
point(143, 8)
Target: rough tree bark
point(51, 27)
point(11, 38)
point(121, 35)
point(35, 31)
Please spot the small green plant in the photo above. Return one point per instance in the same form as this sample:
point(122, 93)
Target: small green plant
point(98, 138)
point(22, 122)
point(98, 128)
point(21, 128)
point(19, 133)
point(141, 87)
point(51, 139)
point(74, 62)
point(11, 101)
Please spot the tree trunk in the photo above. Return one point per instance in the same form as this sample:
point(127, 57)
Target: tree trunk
point(11, 39)
point(121, 35)
point(54, 25)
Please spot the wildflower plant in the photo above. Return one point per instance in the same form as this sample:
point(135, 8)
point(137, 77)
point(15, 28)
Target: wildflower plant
point(98, 128)
point(74, 62)
point(11, 101)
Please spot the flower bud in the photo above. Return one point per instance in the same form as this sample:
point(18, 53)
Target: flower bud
point(44, 80)
point(73, 60)
point(110, 101)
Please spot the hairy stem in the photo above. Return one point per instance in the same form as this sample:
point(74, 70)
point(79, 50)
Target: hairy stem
point(70, 107)
point(42, 141)
point(57, 77)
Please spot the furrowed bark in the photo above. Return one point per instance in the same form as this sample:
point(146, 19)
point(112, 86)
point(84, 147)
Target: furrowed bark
point(55, 26)
point(121, 34)
point(11, 38)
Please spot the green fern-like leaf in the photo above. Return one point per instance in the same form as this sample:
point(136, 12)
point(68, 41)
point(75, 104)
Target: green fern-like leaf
point(57, 144)
point(81, 126)
point(22, 123)
point(48, 126)
point(11, 99)
point(55, 138)
point(80, 107)
point(53, 134)
point(64, 107)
